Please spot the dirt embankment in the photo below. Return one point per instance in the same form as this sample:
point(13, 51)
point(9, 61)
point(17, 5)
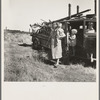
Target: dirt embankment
point(22, 63)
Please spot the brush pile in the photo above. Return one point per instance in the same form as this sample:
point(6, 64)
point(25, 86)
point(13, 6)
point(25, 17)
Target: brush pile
point(44, 28)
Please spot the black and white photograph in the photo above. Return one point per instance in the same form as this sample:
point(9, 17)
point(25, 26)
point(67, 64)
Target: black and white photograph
point(49, 49)
point(50, 40)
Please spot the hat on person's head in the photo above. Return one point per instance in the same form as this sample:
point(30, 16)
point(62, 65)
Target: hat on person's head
point(74, 31)
point(54, 23)
point(90, 23)
point(59, 24)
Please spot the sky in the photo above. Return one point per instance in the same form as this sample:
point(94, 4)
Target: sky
point(18, 14)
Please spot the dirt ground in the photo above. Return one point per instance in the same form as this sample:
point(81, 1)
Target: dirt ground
point(22, 63)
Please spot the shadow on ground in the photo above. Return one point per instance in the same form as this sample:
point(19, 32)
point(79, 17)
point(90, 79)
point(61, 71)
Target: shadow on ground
point(64, 61)
point(25, 45)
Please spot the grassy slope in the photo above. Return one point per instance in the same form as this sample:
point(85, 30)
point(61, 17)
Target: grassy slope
point(24, 64)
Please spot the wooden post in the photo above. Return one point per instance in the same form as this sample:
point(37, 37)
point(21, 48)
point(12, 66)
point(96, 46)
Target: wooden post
point(69, 12)
point(77, 9)
point(66, 30)
point(95, 6)
point(65, 52)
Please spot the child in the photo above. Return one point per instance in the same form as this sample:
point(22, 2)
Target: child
point(73, 41)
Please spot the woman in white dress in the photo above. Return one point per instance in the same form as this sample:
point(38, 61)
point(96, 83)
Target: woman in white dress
point(56, 48)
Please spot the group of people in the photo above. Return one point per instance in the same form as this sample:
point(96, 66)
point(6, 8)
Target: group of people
point(57, 34)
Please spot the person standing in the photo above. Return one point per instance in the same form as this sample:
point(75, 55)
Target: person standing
point(56, 48)
point(73, 41)
point(90, 28)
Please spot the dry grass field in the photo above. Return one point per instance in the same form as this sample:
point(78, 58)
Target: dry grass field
point(22, 63)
